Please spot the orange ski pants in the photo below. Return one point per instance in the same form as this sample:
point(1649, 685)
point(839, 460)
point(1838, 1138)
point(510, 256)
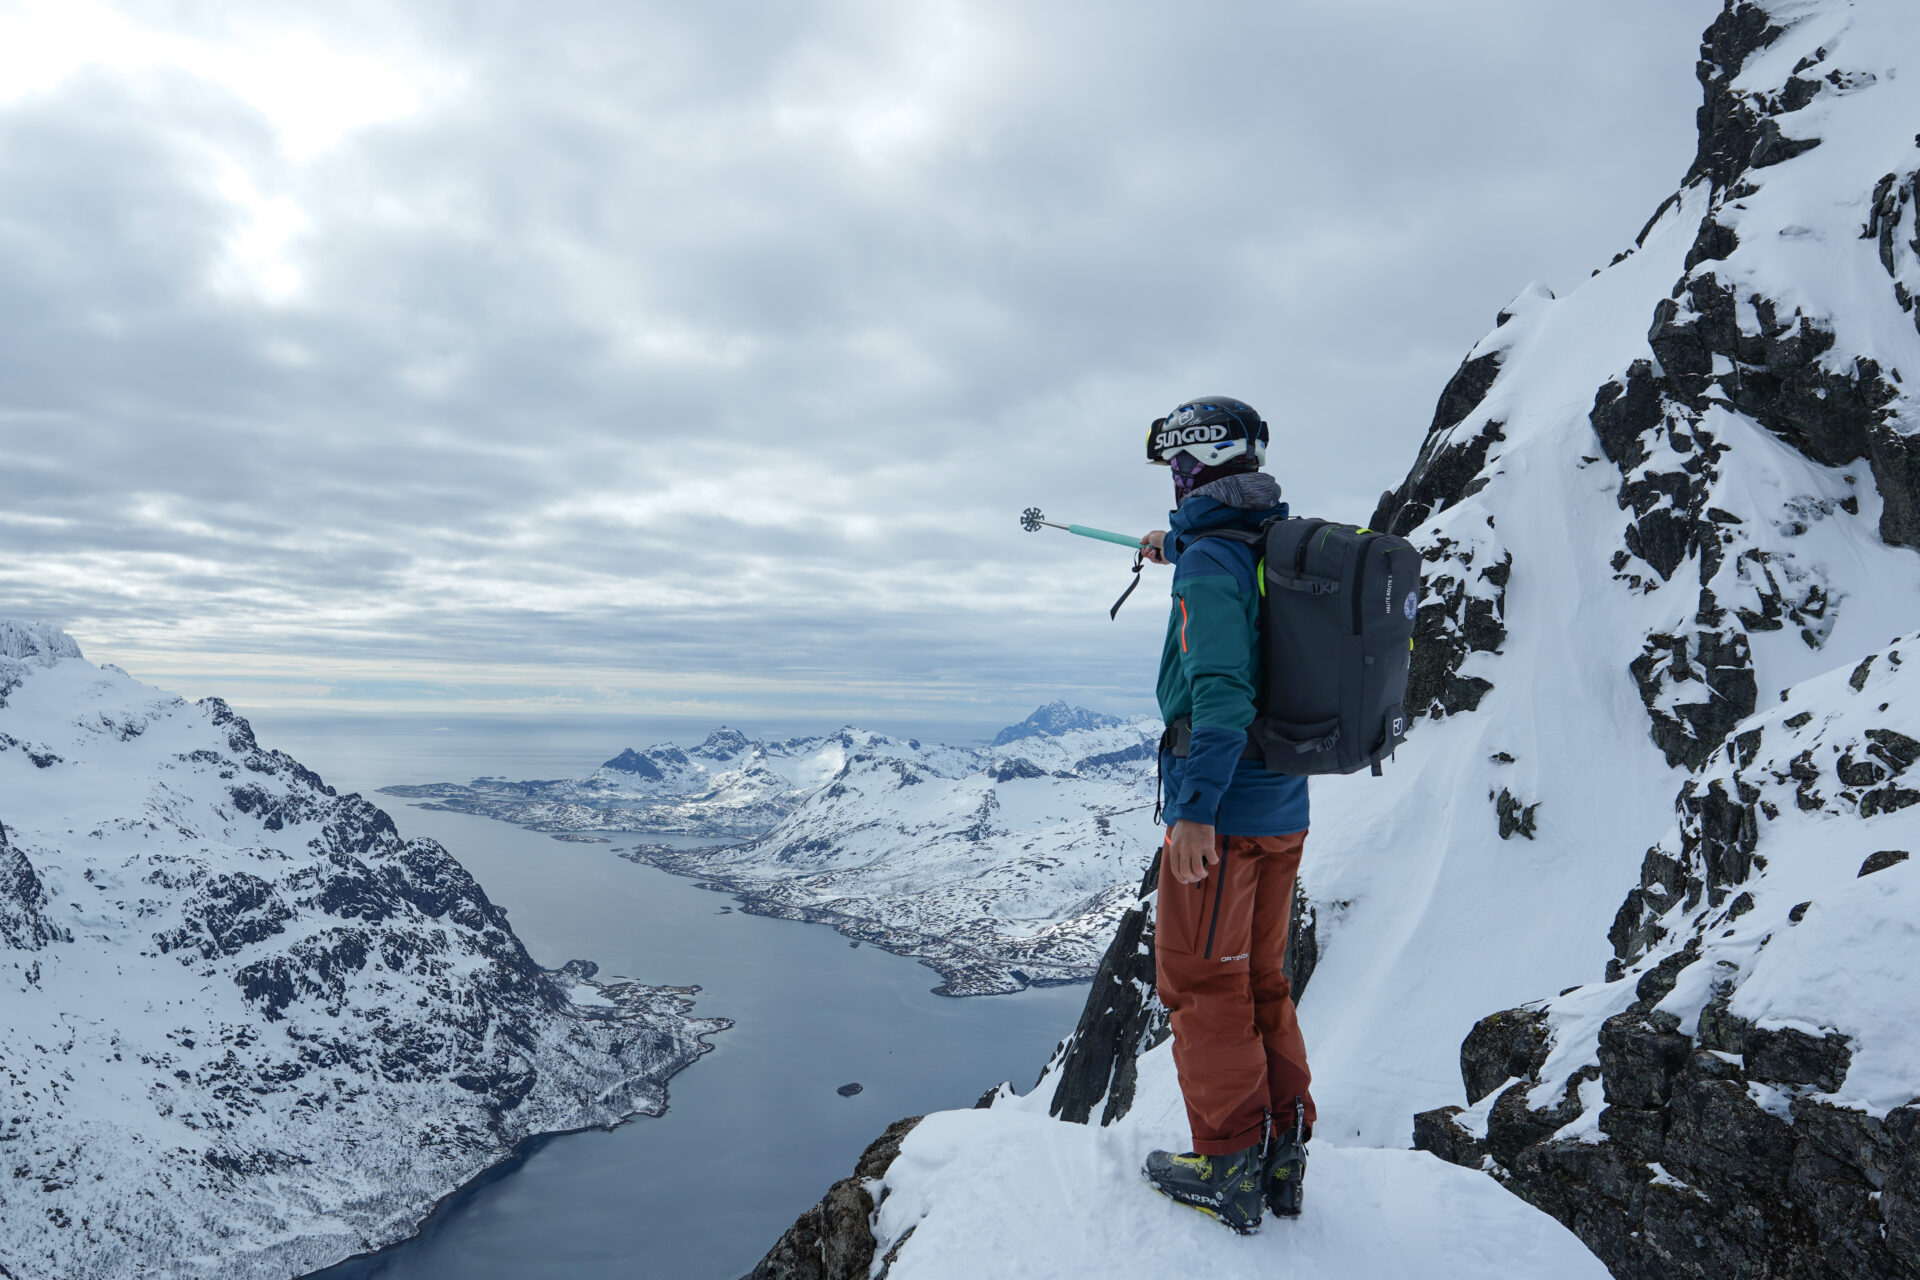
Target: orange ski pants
point(1218, 947)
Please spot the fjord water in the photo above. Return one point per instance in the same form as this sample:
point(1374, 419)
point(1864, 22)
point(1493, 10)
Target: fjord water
point(755, 1131)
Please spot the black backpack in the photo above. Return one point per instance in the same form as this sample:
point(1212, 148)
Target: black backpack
point(1337, 605)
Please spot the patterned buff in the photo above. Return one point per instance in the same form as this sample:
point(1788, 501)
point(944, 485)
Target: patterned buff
point(1189, 474)
point(1247, 490)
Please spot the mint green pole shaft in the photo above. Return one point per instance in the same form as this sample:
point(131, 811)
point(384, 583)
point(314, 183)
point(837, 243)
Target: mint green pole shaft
point(1121, 539)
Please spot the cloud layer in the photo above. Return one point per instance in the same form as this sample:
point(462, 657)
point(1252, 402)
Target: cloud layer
point(666, 356)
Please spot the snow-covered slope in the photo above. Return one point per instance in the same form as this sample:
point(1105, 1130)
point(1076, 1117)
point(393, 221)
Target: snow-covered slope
point(1759, 1040)
point(245, 1029)
point(1006, 1191)
point(1001, 866)
point(1647, 507)
point(1012, 872)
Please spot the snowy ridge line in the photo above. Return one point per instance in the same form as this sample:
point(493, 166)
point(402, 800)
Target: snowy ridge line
point(1000, 867)
point(1646, 507)
point(1746, 1104)
point(251, 1031)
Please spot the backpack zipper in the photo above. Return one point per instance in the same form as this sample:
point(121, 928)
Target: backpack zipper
point(1360, 585)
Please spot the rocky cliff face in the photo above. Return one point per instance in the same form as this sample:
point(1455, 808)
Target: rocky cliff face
point(1737, 1097)
point(250, 1029)
point(1740, 1097)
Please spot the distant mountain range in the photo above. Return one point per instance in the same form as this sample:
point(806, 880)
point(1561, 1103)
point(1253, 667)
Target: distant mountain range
point(1001, 866)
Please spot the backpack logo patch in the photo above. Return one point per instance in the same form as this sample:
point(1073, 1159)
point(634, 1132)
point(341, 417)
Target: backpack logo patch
point(1412, 605)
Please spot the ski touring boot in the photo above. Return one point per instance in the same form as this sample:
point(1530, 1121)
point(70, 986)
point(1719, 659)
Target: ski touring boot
point(1226, 1188)
point(1286, 1168)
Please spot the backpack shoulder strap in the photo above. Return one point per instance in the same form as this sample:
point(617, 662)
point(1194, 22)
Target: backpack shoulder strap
point(1248, 536)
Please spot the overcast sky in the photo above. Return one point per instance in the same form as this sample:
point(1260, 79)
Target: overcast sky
point(699, 358)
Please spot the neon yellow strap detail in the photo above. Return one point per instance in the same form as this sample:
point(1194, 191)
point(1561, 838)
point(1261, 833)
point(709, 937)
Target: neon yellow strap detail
point(1260, 575)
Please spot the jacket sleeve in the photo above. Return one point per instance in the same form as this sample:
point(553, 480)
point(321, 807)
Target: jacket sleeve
point(1217, 642)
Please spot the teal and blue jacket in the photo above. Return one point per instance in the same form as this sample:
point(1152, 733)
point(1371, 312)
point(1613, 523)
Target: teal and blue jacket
point(1210, 672)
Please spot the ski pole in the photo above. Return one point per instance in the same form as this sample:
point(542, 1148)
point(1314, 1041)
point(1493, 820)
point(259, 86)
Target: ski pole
point(1031, 521)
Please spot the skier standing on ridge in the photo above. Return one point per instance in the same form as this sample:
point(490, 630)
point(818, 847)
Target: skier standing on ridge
point(1234, 838)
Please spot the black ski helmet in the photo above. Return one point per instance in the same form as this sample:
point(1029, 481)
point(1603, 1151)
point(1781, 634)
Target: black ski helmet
point(1214, 430)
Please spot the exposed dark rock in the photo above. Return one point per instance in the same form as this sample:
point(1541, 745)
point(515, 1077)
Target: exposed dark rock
point(1774, 147)
point(1447, 470)
point(1740, 1190)
point(1788, 1057)
point(1882, 860)
point(1887, 800)
point(1639, 1060)
point(1110, 759)
point(1728, 122)
point(1467, 388)
point(1513, 1125)
point(1721, 664)
point(1895, 458)
point(1658, 982)
point(1512, 1045)
point(1625, 412)
point(1515, 818)
point(833, 1240)
point(24, 924)
point(1463, 612)
point(1714, 243)
point(849, 1089)
point(227, 915)
point(1724, 1154)
point(1122, 1017)
point(1896, 750)
point(1010, 769)
point(631, 761)
point(1436, 1131)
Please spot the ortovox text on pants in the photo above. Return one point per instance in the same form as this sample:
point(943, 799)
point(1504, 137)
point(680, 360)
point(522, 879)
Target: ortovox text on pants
point(1219, 946)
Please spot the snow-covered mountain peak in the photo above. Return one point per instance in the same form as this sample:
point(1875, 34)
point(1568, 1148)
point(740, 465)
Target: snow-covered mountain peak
point(723, 744)
point(35, 642)
point(222, 983)
point(631, 761)
point(1054, 719)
